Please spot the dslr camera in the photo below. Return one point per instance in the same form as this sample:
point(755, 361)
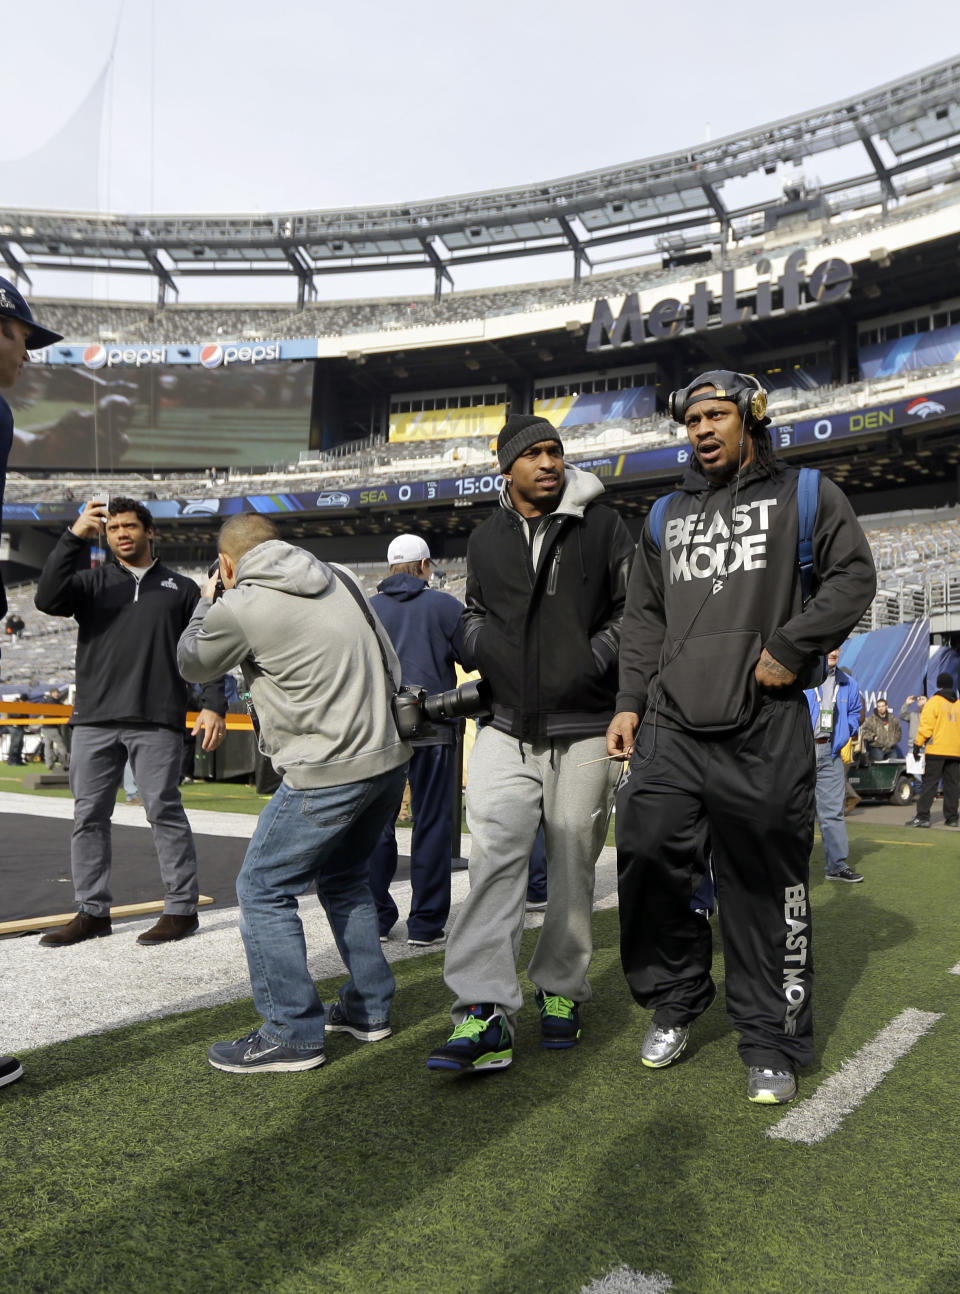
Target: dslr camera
point(214, 569)
point(414, 710)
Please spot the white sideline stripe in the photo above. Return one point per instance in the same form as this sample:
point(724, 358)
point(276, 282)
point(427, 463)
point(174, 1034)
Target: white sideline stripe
point(623, 1280)
point(814, 1119)
point(203, 822)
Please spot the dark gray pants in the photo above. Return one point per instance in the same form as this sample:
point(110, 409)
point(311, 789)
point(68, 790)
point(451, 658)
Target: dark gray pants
point(97, 757)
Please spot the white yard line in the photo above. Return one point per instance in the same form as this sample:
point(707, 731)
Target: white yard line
point(814, 1119)
point(623, 1280)
point(203, 822)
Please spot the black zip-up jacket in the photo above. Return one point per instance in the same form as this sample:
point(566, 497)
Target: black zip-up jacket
point(546, 638)
point(692, 637)
point(127, 641)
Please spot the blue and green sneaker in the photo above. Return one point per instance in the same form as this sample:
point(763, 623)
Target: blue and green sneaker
point(480, 1041)
point(559, 1020)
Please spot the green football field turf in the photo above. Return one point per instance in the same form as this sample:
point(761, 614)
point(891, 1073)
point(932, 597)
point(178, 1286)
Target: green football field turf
point(129, 1164)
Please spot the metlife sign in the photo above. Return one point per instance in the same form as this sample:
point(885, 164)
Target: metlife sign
point(704, 308)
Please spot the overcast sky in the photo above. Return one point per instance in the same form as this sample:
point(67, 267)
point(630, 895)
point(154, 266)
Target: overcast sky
point(251, 106)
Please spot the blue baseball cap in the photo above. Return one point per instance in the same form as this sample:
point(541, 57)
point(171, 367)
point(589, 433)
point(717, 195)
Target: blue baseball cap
point(13, 306)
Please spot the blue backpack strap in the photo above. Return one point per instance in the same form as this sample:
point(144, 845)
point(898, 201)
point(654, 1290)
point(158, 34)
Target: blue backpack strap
point(808, 492)
point(656, 518)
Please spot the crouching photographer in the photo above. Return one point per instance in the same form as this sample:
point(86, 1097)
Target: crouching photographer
point(317, 673)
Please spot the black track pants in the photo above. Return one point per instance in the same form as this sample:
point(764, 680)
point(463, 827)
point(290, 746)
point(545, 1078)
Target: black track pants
point(938, 766)
point(748, 798)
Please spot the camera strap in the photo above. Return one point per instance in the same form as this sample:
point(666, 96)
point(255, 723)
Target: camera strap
point(361, 602)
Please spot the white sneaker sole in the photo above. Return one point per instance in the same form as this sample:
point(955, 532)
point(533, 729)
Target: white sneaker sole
point(361, 1035)
point(269, 1067)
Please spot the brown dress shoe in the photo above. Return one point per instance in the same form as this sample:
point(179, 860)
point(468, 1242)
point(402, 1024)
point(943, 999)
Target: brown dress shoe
point(83, 926)
point(170, 927)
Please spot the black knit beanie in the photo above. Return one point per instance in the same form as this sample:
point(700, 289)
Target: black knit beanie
point(520, 431)
point(946, 681)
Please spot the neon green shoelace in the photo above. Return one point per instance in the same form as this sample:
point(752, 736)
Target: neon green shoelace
point(555, 1005)
point(470, 1028)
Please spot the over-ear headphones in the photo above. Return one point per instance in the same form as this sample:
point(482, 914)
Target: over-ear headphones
point(742, 388)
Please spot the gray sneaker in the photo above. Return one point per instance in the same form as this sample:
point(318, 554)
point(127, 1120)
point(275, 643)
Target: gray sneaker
point(845, 874)
point(770, 1086)
point(661, 1046)
point(337, 1022)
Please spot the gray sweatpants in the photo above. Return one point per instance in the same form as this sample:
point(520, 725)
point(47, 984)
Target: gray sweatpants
point(509, 789)
point(97, 757)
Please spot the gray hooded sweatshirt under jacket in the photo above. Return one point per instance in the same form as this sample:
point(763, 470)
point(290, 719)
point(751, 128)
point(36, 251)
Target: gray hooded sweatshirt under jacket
point(310, 661)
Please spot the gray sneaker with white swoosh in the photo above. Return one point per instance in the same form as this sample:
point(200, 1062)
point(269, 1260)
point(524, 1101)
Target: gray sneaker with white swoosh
point(256, 1054)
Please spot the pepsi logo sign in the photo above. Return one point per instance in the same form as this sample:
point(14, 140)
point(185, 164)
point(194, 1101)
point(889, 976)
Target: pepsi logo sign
point(211, 356)
point(97, 356)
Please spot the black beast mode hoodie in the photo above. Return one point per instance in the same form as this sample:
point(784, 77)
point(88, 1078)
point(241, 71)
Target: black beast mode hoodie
point(724, 584)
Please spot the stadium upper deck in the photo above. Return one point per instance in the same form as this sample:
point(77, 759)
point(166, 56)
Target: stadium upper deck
point(886, 146)
point(844, 296)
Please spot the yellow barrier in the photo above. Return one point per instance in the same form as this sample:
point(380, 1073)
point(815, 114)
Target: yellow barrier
point(24, 924)
point(42, 712)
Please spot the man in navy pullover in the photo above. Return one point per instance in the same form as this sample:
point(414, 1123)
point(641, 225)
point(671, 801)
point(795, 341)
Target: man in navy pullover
point(424, 627)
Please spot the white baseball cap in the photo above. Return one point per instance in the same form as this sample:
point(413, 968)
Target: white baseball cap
point(407, 548)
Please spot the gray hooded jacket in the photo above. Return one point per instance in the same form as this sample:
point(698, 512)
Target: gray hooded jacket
point(311, 663)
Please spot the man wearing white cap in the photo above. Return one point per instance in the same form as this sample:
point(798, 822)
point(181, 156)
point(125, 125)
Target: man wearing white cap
point(424, 627)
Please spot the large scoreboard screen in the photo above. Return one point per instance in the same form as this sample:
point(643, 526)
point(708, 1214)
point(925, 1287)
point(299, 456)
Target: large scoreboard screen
point(161, 417)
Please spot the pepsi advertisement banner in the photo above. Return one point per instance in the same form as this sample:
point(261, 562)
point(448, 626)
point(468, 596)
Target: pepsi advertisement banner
point(96, 356)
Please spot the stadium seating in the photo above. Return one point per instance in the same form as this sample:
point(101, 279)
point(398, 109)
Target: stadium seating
point(917, 558)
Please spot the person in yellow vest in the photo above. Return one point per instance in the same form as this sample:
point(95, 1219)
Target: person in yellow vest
point(938, 736)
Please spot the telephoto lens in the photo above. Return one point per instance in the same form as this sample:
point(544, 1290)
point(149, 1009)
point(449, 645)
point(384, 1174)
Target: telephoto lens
point(458, 703)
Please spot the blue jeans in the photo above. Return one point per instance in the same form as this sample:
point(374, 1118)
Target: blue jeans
point(831, 794)
point(322, 837)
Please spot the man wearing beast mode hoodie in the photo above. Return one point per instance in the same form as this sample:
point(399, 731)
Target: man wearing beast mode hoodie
point(715, 651)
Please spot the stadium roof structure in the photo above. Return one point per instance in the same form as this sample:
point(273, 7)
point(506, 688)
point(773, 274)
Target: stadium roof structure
point(908, 132)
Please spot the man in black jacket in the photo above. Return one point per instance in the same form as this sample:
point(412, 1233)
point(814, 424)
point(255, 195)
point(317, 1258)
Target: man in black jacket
point(130, 700)
point(546, 581)
point(716, 649)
